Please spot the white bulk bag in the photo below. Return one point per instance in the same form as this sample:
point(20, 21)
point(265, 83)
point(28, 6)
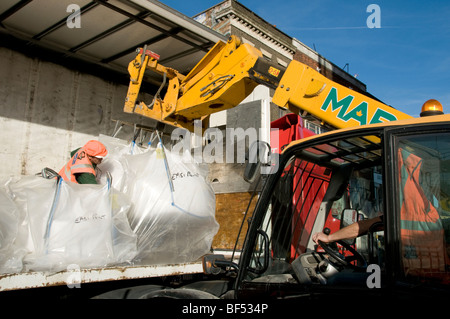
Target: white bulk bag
point(71, 224)
point(10, 255)
point(173, 207)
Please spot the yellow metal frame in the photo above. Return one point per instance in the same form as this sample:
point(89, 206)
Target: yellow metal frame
point(303, 89)
point(225, 77)
point(218, 82)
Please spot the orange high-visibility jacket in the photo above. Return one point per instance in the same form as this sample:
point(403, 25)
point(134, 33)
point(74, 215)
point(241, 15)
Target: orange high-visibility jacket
point(422, 233)
point(79, 163)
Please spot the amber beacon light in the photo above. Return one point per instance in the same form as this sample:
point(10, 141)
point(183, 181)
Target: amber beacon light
point(431, 107)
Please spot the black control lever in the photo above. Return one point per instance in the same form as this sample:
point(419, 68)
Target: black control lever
point(327, 231)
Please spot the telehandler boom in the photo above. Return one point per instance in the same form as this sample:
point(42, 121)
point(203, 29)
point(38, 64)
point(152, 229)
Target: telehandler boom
point(230, 71)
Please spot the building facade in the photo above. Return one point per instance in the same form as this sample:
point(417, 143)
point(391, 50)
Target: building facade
point(230, 17)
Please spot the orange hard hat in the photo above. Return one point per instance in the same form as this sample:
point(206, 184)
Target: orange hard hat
point(432, 107)
point(95, 149)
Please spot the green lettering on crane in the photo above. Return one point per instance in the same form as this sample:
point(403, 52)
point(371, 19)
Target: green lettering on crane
point(335, 104)
point(379, 114)
point(359, 113)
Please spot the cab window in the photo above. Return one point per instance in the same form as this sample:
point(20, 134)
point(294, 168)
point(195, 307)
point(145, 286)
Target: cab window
point(316, 186)
point(423, 175)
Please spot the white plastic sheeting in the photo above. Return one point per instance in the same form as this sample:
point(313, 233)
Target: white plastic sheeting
point(10, 256)
point(58, 224)
point(173, 206)
point(156, 209)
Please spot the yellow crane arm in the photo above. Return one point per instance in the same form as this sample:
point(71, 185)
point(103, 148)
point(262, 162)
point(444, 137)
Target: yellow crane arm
point(230, 71)
point(303, 89)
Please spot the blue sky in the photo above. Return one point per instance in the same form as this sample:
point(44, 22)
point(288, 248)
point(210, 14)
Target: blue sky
point(403, 63)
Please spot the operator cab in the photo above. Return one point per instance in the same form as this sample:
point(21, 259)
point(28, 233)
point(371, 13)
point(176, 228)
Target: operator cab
point(327, 185)
point(321, 188)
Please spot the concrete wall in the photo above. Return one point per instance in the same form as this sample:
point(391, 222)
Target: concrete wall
point(47, 110)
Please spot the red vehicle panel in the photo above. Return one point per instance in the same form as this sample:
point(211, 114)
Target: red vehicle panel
point(283, 131)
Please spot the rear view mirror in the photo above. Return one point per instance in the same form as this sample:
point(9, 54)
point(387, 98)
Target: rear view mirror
point(348, 217)
point(216, 264)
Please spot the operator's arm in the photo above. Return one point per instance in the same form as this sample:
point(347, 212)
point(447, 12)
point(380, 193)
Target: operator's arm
point(351, 231)
point(86, 178)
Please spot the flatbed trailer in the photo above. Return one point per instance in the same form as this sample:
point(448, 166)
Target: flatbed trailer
point(75, 278)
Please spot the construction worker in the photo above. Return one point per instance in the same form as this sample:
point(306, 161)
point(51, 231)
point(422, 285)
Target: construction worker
point(81, 167)
point(422, 233)
point(421, 227)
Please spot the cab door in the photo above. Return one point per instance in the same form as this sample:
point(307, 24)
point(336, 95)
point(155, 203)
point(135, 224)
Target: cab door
point(418, 209)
